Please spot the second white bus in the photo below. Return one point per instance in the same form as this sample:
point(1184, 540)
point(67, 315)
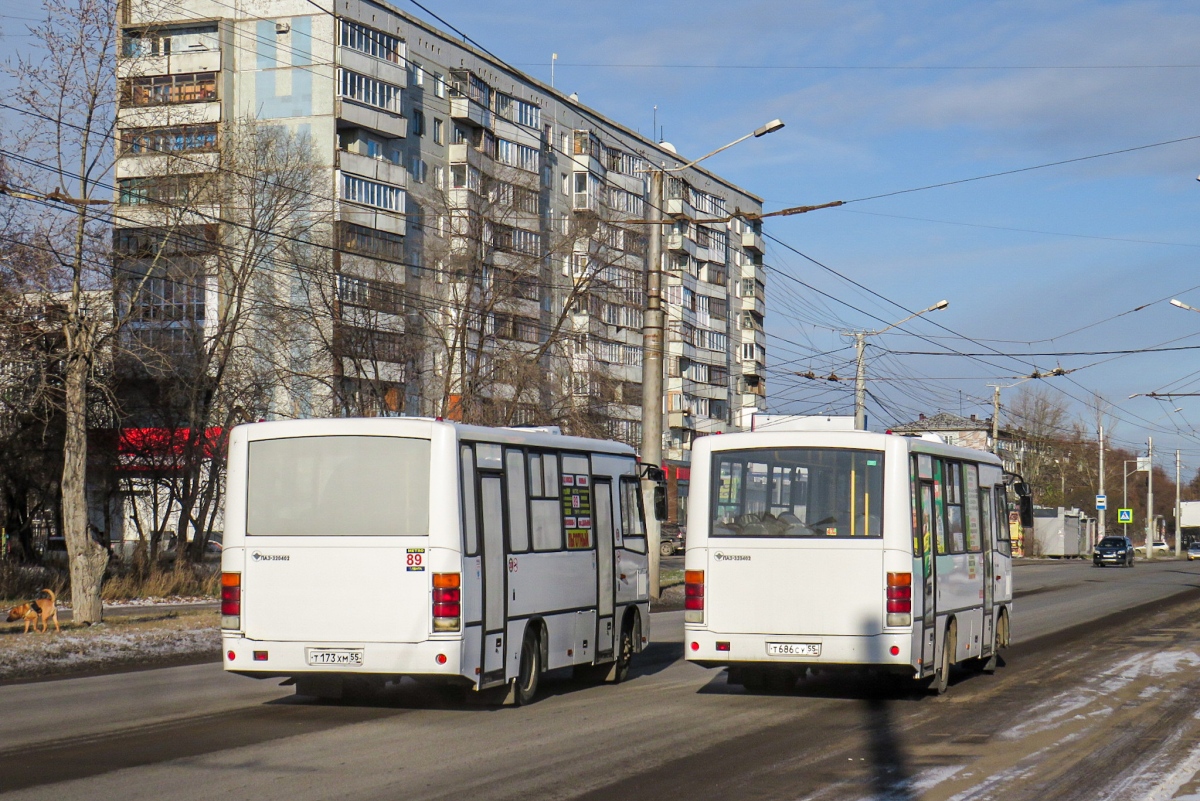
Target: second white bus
point(357, 552)
point(837, 550)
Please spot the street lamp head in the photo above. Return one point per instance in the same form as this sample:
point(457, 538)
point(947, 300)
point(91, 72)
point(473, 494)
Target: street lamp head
point(770, 127)
point(941, 304)
point(1177, 301)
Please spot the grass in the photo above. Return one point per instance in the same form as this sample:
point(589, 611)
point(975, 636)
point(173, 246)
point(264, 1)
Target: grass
point(19, 583)
point(670, 578)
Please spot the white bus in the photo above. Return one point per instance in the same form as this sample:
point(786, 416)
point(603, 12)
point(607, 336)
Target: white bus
point(359, 551)
point(838, 550)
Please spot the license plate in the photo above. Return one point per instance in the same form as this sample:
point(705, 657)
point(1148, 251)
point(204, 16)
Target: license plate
point(335, 656)
point(793, 649)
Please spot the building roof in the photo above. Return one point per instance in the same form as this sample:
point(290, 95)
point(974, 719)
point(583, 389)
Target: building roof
point(945, 421)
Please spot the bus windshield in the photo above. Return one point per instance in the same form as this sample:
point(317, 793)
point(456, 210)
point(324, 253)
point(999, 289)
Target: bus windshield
point(797, 492)
point(338, 485)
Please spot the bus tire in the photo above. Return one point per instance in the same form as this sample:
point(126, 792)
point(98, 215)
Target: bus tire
point(941, 681)
point(631, 631)
point(525, 685)
point(753, 680)
point(1003, 632)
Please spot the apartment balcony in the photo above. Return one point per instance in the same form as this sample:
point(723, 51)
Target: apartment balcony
point(169, 114)
point(753, 242)
point(462, 153)
point(207, 60)
point(753, 367)
point(373, 168)
point(386, 71)
point(369, 217)
point(681, 419)
point(678, 207)
point(678, 243)
point(754, 304)
point(466, 110)
point(360, 116)
point(587, 202)
point(144, 166)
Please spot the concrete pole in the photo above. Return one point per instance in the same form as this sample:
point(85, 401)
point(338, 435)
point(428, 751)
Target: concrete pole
point(653, 323)
point(860, 382)
point(1150, 499)
point(1104, 512)
point(1178, 533)
point(1125, 494)
point(996, 420)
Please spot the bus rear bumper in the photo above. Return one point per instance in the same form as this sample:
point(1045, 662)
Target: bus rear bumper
point(274, 658)
point(890, 650)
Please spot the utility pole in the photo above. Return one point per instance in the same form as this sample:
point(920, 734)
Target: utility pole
point(1150, 498)
point(1178, 509)
point(860, 382)
point(1104, 511)
point(996, 419)
point(652, 373)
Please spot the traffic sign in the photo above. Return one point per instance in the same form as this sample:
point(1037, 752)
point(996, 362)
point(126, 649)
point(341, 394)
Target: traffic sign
point(1124, 515)
point(1101, 503)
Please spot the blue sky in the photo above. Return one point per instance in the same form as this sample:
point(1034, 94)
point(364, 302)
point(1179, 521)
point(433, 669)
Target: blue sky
point(880, 97)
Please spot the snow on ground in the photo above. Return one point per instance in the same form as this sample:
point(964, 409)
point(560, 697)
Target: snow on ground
point(174, 634)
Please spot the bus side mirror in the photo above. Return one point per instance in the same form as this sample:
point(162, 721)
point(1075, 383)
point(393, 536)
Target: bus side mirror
point(1025, 503)
point(660, 502)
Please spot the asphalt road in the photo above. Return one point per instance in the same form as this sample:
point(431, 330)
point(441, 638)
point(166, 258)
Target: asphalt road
point(1099, 699)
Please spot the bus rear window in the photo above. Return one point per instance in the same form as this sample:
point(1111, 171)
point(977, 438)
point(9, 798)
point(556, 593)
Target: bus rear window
point(309, 486)
point(797, 492)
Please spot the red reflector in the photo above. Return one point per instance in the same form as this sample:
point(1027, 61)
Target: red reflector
point(722, 646)
point(232, 656)
point(897, 593)
point(446, 596)
point(693, 590)
point(894, 650)
point(693, 603)
point(695, 646)
point(899, 606)
point(260, 656)
point(441, 659)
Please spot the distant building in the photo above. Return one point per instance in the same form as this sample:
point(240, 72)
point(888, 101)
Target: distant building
point(968, 432)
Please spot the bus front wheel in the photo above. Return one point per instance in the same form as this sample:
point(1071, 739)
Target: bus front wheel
point(530, 670)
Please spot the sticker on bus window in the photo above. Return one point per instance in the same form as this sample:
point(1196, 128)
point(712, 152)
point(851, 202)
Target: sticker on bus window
point(584, 522)
point(831, 532)
point(581, 481)
point(568, 480)
point(872, 463)
point(569, 522)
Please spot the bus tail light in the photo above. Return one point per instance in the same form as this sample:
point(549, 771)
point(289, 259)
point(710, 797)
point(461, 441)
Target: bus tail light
point(693, 596)
point(447, 601)
point(231, 600)
point(899, 599)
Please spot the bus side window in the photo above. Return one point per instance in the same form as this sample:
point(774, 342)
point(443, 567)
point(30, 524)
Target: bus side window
point(545, 505)
point(518, 509)
point(939, 503)
point(986, 517)
point(470, 515)
point(633, 519)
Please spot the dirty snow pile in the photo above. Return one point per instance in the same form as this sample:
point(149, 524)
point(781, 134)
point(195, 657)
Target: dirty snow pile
point(101, 648)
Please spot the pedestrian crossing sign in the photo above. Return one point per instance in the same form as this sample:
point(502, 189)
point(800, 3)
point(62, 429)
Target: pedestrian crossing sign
point(1124, 515)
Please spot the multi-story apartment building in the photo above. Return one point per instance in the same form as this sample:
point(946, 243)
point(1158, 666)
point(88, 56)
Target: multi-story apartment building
point(465, 240)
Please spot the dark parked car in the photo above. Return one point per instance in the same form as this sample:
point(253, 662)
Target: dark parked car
point(1113, 551)
point(672, 539)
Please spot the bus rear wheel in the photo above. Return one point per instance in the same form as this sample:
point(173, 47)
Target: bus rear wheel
point(941, 681)
point(629, 631)
point(526, 683)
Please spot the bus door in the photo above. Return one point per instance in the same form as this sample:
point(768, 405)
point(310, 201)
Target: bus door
point(988, 529)
point(928, 514)
point(491, 492)
point(602, 492)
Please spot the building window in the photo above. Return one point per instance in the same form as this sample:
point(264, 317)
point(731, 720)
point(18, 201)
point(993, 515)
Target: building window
point(416, 125)
point(168, 41)
point(417, 169)
point(369, 91)
point(158, 90)
point(372, 42)
point(154, 242)
point(439, 131)
point(179, 139)
point(372, 193)
point(365, 293)
point(370, 242)
point(370, 344)
point(439, 85)
point(418, 74)
point(172, 189)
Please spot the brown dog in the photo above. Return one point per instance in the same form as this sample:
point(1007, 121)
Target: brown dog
point(39, 610)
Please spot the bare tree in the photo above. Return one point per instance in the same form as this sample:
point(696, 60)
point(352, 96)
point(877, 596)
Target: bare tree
point(67, 83)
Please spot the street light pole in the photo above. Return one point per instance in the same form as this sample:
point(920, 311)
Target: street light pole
point(1150, 499)
point(653, 347)
point(860, 371)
